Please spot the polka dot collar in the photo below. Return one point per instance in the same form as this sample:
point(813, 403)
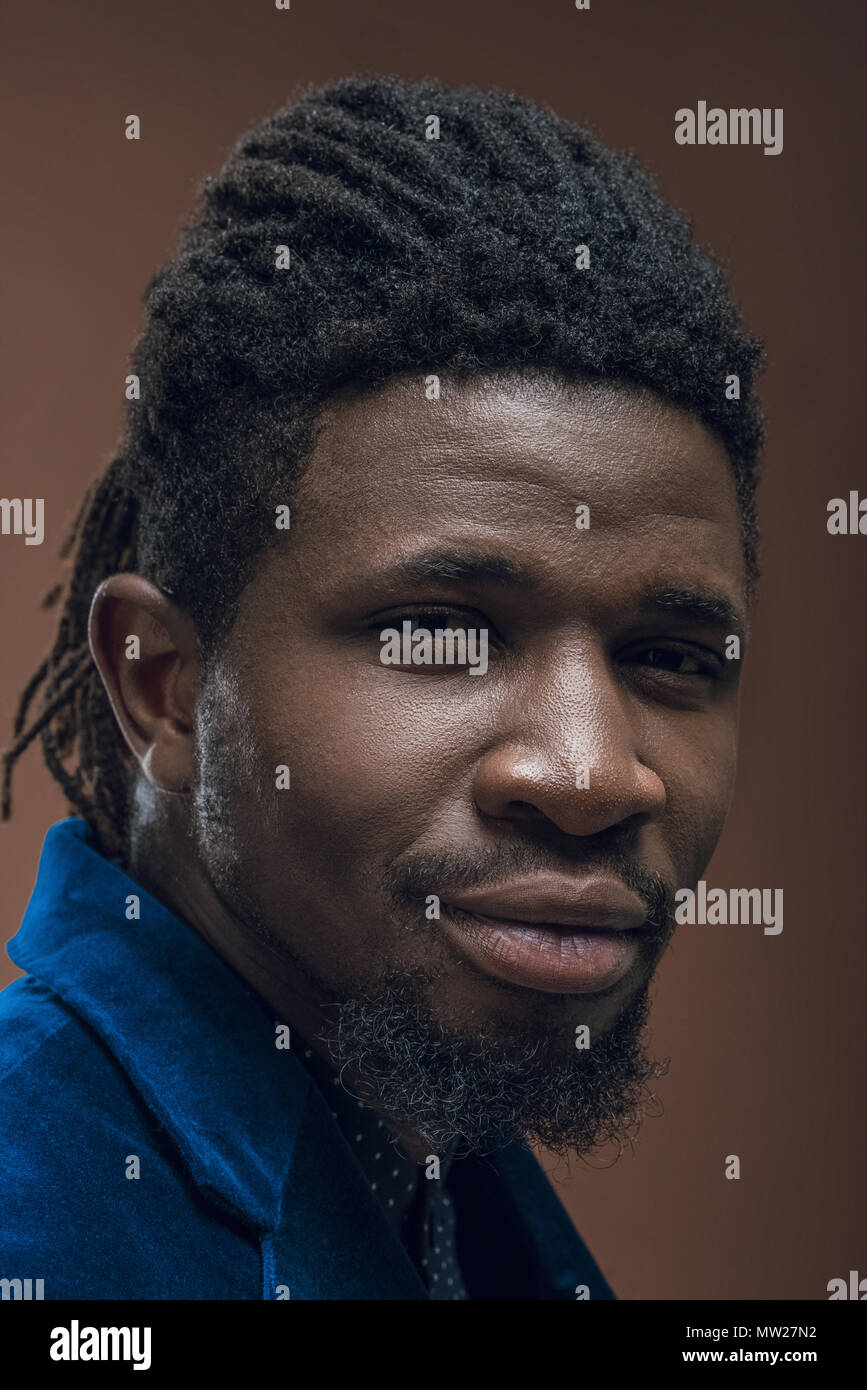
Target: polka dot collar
point(418, 1208)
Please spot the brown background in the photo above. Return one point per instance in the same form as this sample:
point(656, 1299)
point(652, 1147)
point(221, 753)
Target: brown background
point(766, 1033)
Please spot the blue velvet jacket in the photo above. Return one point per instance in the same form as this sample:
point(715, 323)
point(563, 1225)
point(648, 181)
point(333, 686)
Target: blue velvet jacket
point(134, 1039)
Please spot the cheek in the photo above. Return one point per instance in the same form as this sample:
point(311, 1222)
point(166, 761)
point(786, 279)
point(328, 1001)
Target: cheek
point(366, 766)
point(700, 787)
point(367, 749)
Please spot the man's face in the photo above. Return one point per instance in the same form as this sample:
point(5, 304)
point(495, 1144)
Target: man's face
point(552, 804)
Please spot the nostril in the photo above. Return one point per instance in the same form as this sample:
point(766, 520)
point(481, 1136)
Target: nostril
point(526, 808)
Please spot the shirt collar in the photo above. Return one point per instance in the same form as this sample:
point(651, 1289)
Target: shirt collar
point(390, 1173)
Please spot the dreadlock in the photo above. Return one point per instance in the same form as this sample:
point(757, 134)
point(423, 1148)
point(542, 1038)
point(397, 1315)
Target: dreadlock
point(406, 254)
point(74, 712)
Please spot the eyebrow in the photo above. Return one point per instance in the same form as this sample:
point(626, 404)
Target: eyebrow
point(698, 604)
point(456, 567)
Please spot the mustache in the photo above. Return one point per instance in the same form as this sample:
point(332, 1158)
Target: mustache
point(444, 872)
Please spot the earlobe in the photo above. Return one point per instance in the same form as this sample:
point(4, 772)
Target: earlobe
point(149, 767)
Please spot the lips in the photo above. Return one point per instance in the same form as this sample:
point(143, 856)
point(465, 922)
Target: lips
point(550, 933)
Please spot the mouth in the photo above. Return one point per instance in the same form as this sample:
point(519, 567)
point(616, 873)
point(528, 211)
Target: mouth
point(554, 935)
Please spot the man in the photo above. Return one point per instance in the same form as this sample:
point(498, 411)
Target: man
point(394, 695)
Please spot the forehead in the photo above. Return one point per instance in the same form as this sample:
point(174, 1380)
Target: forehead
point(499, 464)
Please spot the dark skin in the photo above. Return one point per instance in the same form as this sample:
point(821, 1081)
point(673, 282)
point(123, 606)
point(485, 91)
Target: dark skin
point(584, 663)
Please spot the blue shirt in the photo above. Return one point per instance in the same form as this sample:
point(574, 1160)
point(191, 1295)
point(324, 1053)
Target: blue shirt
point(156, 1143)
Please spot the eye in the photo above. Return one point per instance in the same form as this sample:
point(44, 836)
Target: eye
point(435, 641)
point(679, 663)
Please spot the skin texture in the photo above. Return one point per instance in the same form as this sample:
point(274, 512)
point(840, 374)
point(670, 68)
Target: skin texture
point(430, 769)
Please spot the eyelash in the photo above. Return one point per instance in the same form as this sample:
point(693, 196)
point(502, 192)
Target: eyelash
point(712, 666)
point(437, 614)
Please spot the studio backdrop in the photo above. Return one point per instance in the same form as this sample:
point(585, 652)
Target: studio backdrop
point(765, 1030)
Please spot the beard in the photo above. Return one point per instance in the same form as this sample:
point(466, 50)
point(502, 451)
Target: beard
point(474, 1092)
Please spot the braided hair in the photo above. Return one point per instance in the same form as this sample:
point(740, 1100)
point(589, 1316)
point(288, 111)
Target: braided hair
point(406, 254)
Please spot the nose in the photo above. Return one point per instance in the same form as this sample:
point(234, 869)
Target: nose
point(568, 751)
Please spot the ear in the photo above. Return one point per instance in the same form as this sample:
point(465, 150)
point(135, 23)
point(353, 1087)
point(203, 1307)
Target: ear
point(148, 655)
